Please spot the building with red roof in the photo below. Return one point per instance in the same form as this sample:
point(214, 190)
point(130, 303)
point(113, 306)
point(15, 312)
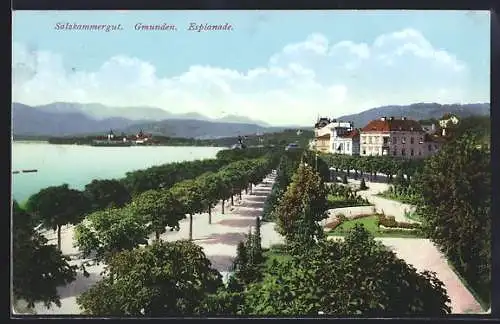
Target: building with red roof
point(397, 137)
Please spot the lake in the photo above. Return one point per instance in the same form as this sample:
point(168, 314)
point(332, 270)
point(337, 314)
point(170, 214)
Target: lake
point(77, 165)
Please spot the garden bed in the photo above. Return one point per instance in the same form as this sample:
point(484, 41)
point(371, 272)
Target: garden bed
point(373, 223)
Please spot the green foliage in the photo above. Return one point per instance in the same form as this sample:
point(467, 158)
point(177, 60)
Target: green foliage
point(57, 206)
point(355, 277)
point(160, 208)
point(340, 196)
point(166, 175)
point(38, 268)
point(257, 242)
point(301, 207)
point(288, 164)
point(455, 207)
point(163, 279)
point(107, 193)
point(105, 233)
point(373, 164)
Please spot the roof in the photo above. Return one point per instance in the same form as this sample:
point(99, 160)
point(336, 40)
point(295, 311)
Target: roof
point(323, 121)
point(326, 136)
point(388, 125)
point(350, 134)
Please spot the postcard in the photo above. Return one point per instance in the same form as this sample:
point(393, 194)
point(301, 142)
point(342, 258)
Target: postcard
point(236, 163)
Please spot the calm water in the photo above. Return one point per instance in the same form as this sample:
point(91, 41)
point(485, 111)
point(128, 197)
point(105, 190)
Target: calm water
point(78, 165)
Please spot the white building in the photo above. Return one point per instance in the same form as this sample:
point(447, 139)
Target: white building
point(332, 136)
point(346, 143)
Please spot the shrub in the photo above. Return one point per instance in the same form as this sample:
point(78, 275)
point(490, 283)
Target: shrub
point(341, 217)
point(387, 221)
point(390, 221)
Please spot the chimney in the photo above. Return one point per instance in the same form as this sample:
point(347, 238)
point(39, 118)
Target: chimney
point(383, 118)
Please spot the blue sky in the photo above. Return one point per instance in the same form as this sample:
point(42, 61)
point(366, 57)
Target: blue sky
point(278, 66)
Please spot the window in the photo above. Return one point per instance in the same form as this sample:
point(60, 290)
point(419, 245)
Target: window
point(369, 140)
point(412, 152)
point(403, 140)
point(386, 140)
point(364, 152)
point(412, 141)
point(363, 139)
point(429, 147)
point(419, 152)
point(403, 152)
point(394, 140)
point(421, 140)
point(347, 147)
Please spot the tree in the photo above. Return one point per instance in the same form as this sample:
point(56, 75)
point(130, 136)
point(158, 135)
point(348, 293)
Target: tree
point(159, 208)
point(362, 185)
point(358, 276)
point(105, 233)
point(455, 206)
point(163, 279)
point(107, 193)
point(224, 191)
point(189, 194)
point(301, 207)
point(344, 179)
point(38, 268)
point(210, 184)
point(257, 242)
point(57, 206)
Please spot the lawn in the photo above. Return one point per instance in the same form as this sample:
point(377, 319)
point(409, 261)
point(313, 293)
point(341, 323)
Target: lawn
point(392, 196)
point(370, 223)
point(340, 202)
point(276, 252)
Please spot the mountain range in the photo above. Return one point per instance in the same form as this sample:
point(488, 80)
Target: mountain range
point(63, 119)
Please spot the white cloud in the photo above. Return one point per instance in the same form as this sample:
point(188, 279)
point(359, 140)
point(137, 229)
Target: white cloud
point(303, 80)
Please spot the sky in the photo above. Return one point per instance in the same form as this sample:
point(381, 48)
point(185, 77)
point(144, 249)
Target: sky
point(280, 67)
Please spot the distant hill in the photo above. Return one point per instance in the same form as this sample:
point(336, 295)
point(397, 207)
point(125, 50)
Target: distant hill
point(99, 112)
point(199, 129)
point(55, 120)
point(27, 120)
point(418, 111)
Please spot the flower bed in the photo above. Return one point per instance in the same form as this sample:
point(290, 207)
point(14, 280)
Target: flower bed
point(373, 225)
point(390, 222)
